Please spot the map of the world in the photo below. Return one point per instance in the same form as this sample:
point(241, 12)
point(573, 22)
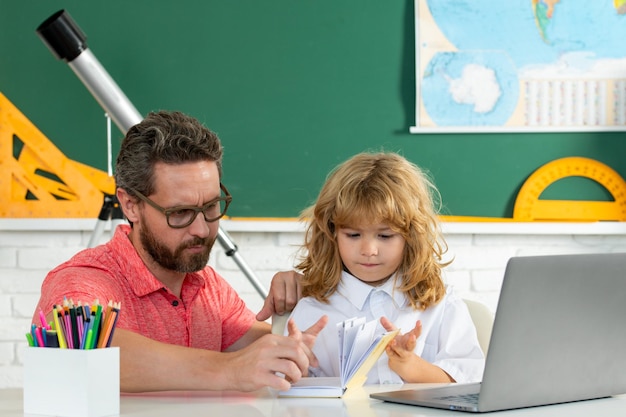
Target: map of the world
point(520, 65)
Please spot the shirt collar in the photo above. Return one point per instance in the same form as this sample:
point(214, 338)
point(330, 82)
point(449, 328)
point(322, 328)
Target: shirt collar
point(357, 292)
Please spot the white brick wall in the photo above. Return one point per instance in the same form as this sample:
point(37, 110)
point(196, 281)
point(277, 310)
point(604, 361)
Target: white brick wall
point(28, 249)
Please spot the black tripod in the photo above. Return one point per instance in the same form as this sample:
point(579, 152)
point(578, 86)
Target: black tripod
point(110, 211)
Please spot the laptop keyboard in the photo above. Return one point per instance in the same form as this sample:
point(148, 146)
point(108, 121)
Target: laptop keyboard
point(463, 398)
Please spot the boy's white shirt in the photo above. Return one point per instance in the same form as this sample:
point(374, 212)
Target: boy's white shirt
point(448, 337)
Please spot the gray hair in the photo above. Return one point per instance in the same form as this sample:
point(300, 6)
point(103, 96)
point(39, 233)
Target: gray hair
point(168, 137)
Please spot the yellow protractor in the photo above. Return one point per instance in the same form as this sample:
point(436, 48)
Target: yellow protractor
point(528, 206)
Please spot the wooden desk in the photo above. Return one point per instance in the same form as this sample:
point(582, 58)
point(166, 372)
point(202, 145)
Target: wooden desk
point(264, 403)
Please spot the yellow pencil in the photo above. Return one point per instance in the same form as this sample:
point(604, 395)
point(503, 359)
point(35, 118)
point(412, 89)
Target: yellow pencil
point(59, 329)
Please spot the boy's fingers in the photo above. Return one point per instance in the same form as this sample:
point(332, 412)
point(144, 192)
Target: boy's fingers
point(388, 325)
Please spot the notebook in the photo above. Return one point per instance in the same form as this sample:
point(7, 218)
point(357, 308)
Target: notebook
point(360, 346)
point(558, 336)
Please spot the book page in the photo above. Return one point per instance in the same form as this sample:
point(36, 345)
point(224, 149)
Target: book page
point(350, 329)
point(360, 345)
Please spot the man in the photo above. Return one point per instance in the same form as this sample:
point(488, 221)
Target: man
point(181, 326)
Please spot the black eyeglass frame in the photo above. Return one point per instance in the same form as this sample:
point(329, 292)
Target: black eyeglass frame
point(168, 211)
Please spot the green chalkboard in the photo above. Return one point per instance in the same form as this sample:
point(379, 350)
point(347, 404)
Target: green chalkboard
point(291, 87)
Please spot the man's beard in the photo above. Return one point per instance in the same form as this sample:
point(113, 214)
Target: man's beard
point(176, 261)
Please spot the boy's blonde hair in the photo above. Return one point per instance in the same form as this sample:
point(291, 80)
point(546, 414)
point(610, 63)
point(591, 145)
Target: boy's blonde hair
point(372, 188)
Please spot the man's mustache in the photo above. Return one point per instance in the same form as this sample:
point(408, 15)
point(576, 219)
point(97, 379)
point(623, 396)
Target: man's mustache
point(197, 242)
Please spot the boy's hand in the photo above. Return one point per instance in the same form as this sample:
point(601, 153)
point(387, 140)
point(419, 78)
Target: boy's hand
point(407, 364)
point(405, 342)
point(402, 359)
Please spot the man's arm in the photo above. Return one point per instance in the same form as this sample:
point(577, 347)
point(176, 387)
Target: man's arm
point(148, 365)
point(251, 363)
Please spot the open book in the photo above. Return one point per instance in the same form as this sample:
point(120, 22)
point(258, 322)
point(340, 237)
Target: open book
point(359, 349)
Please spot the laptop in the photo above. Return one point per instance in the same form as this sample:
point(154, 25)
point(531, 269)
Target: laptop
point(559, 335)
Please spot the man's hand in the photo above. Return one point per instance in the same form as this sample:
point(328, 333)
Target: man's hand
point(273, 361)
point(284, 294)
point(308, 338)
point(271, 357)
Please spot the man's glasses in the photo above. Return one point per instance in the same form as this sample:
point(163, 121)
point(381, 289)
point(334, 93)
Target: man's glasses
point(182, 216)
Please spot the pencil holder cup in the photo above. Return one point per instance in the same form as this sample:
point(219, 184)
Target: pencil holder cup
point(72, 382)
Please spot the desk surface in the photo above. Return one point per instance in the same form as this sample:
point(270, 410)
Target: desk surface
point(264, 403)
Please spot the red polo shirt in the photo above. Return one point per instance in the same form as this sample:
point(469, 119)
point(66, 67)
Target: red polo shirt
point(209, 313)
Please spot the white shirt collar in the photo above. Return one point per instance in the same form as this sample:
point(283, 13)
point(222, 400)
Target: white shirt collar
point(357, 292)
